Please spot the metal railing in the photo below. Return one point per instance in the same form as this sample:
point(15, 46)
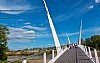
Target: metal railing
point(88, 52)
point(57, 56)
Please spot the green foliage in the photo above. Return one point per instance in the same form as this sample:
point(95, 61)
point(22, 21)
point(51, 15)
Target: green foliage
point(49, 52)
point(3, 42)
point(94, 41)
point(18, 62)
point(3, 61)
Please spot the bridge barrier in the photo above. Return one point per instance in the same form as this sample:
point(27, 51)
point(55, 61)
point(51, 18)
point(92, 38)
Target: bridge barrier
point(44, 57)
point(90, 52)
point(96, 56)
point(56, 57)
point(24, 61)
point(87, 51)
point(82, 47)
point(53, 54)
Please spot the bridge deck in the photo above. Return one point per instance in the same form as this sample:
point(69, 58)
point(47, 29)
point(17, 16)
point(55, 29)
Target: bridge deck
point(74, 55)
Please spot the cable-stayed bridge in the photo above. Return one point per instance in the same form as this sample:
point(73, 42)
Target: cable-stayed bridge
point(76, 54)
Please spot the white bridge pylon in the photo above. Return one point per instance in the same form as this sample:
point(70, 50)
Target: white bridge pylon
point(68, 38)
point(80, 33)
point(57, 43)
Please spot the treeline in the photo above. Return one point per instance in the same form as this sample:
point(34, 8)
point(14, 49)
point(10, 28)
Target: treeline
point(31, 51)
point(93, 41)
point(44, 48)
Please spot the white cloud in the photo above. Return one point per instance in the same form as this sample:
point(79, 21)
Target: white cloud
point(92, 30)
point(35, 28)
point(43, 35)
point(97, 1)
point(41, 24)
point(78, 11)
point(21, 20)
point(20, 35)
point(4, 5)
point(27, 23)
point(91, 7)
point(47, 35)
point(69, 34)
point(63, 17)
point(50, 45)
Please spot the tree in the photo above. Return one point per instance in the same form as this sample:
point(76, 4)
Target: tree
point(94, 41)
point(3, 42)
point(88, 42)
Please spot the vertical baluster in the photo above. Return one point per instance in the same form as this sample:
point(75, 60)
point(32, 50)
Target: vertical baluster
point(24, 61)
point(86, 50)
point(52, 54)
point(96, 56)
point(62, 48)
point(90, 52)
point(44, 57)
point(66, 47)
point(83, 48)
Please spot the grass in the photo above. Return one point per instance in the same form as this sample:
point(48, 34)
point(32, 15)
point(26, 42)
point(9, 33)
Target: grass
point(14, 62)
point(3, 61)
point(18, 62)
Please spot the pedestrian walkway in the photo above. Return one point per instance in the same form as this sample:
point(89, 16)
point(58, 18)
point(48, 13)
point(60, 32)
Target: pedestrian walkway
point(74, 55)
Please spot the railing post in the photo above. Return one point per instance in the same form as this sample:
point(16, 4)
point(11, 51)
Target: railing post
point(62, 48)
point(66, 47)
point(52, 54)
point(86, 50)
point(96, 56)
point(90, 52)
point(24, 61)
point(83, 48)
point(44, 57)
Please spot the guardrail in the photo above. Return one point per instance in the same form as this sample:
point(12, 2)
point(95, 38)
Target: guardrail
point(57, 56)
point(87, 51)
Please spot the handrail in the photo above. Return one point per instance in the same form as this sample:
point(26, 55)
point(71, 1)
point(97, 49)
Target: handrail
point(89, 54)
point(56, 57)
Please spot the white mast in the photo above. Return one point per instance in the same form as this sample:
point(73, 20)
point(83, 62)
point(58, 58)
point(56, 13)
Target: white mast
point(80, 33)
point(57, 43)
point(68, 38)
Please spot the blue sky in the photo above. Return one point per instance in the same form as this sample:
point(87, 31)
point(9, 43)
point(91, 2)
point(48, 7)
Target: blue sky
point(30, 29)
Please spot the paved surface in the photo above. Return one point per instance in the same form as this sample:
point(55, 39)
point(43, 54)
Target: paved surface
point(74, 55)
